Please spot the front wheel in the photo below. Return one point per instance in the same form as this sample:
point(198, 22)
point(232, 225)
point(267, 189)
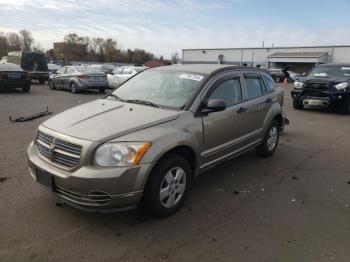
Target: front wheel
point(345, 107)
point(297, 104)
point(73, 88)
point(270, 141)
point(168, 186)
point(52, 85)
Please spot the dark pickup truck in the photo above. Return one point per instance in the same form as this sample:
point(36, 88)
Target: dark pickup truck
point(327, 85)
point(32, 62)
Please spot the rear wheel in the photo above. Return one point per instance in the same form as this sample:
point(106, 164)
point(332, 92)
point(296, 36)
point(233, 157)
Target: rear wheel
point(297, 104)
point(73, 88)
point(277, 79)
point(26, 88)
point(270, 141)
point(167, 186)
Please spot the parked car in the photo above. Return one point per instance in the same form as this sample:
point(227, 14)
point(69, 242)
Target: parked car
point(294, 76)
point(105, 68)
point(121, 74)
point(13, 76)
point(33, 62)
point(53, 68)
point(327, 85)
point(279, 74)
point(147, 140)
point(77, 78)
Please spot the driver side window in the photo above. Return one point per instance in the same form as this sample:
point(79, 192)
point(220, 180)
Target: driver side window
point(228, 91)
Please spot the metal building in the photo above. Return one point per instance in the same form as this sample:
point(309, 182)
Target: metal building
point(302, 59)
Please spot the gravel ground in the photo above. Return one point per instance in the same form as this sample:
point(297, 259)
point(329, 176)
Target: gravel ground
point(294, 206)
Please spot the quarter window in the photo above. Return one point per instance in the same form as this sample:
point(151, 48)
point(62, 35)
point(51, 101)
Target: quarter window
point(229, 91)
point(254, 87)
point(270, 84)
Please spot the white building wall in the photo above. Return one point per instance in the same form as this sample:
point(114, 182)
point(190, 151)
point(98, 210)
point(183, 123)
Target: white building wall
point(337, 54)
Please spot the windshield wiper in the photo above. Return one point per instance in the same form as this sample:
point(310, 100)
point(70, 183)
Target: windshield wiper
point(142, 102)
point(116, 97)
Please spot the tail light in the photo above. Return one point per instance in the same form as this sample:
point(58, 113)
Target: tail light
point(83, 76)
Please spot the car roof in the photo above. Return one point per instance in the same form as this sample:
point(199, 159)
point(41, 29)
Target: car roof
point(206, 69)
point(10, 67)
point(334, 64)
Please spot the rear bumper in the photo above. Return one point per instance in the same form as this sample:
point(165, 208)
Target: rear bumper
point(320, 98)
point(82, 85)
point(20, 83)
point(91, 188)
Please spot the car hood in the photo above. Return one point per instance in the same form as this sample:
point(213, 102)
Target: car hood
point(327, 80)
point(103, 119)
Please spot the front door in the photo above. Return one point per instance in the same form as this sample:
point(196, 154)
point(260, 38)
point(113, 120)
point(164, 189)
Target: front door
point(224, 130)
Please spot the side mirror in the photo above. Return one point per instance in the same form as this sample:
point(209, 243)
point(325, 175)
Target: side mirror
point(304, 74)
point(214, 105)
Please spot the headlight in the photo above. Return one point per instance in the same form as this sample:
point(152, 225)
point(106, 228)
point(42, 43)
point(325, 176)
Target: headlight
point(342, 86)
point(120, 154)
point(298, 85)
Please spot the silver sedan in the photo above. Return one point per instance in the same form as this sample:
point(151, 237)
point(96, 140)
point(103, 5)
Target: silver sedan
point(76, 78)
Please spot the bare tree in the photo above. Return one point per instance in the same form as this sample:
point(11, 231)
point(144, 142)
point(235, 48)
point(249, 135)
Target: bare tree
point(14, 41)
point(71, 38)
point(26, 40)
point(4, 46)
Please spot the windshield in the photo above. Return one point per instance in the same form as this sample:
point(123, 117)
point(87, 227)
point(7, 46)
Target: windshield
point(86, 69)
point(326, 71)
point(161, 87)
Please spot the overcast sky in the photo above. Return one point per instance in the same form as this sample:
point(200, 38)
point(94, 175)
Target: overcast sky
point(164, 27)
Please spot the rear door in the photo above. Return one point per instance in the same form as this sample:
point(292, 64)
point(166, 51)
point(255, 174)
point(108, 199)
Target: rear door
point(223, 131)
point(257, 103)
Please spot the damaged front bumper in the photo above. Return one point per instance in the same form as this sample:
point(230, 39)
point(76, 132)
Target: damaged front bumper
point(315, 98)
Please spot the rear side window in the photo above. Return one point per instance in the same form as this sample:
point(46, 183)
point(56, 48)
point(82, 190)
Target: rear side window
point(270, 84)
point(229, 91)
point(254, 87)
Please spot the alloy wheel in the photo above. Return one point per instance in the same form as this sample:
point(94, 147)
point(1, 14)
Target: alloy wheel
point(173, 187)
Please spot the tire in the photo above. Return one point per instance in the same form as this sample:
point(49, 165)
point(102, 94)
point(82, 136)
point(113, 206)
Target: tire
point(345, 107)
point(73, 88)
point(26, 88)
point(174, 190)
point(270, 141)
point(51, 85)
point(42, 81)
point(102, 90)
point(277, 79)
point(297, 105)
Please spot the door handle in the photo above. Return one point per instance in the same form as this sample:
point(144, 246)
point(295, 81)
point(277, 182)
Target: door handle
point(269, 100)
point(242, 110)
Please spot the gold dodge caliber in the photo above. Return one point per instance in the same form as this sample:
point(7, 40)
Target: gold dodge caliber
point(147, 140)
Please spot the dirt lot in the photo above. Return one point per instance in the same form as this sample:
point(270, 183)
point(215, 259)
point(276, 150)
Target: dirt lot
point(294, 206)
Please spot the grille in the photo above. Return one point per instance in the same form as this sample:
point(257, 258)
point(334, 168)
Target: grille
point(57, 150)
point(94, 198)
point(317, 86)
